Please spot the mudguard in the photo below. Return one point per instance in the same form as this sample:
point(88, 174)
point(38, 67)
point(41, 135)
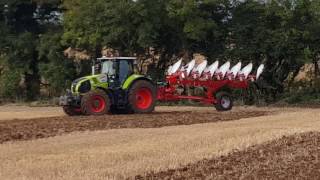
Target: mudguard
point(131, 79)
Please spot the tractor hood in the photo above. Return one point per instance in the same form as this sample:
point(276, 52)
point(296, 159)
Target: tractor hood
point(87, 83)
point(79, 80)
point(95, 78)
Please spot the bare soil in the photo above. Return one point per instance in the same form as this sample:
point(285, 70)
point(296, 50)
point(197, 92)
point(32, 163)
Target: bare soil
point(9, 112)
point(13, 130)
point(292, 157)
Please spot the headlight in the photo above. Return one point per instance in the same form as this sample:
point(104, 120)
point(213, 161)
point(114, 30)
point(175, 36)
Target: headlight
point(73, 87)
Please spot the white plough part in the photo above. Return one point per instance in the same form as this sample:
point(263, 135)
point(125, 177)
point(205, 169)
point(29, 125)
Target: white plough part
point(244, 73)
point(197, 72)
point(259, 71)
point(176, 66)
point(169, 70)
point(232, 74)
point(190, 66)
point(221, 72)
point(213, 71)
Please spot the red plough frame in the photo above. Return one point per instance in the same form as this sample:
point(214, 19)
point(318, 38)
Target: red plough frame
point(169, 91)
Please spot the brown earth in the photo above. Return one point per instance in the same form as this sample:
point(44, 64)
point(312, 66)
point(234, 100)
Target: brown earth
point(13, 130)
point(9, 112)
point(292, 157)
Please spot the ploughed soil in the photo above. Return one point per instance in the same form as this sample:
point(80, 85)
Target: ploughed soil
point(14, 130)
point(294, 157)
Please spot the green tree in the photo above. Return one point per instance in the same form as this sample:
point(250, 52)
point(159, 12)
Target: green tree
point(57, 70)
point(275, 33)
point(201, 25)
point(23, 22)
point(131, 27)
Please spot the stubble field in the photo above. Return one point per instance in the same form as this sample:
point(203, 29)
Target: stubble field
point(172, 143)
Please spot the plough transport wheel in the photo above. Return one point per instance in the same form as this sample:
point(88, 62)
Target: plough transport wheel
point(95, 102)
point(224, 101)
point(142, 97)
point(71, 111)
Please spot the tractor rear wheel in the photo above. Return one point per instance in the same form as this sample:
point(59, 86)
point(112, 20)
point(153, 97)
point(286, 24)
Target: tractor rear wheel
point(224, 101)
point(71, 111)
point(95, 102)
point(142, 97)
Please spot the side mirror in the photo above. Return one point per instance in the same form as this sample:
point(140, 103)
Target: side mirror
point(93, 70)
point(93, 67)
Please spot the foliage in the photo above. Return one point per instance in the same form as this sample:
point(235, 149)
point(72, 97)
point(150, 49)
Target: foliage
point(9, 84)
point(30, 48)
point(276, 34)
point(54, 67)
point(201, 24)
point(282, 34)
point(125, 25)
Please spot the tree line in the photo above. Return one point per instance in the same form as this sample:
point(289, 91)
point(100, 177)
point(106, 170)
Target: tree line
point(34, 34)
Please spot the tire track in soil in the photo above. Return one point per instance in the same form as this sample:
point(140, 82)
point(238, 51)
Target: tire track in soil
point(17, 130)
point(291, 157)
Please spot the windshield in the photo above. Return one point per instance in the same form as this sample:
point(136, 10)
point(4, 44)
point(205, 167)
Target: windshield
point(107, 68)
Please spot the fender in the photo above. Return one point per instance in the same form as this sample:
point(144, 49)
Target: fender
point(133, 78)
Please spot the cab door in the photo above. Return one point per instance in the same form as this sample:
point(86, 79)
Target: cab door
point(125, 70)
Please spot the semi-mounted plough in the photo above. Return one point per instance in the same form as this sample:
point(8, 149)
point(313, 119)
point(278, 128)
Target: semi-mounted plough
point(214, 80)
point(113, 86)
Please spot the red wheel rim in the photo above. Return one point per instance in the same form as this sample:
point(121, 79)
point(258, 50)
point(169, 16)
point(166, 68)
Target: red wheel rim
point(143, 98)
point(98, 104)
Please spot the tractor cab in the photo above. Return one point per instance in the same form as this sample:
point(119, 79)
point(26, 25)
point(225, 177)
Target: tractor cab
point(115, 69)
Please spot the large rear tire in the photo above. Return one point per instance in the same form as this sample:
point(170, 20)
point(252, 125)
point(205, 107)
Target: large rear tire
point(142, 97)
point(224, 101)
point(96, 103)
point(71, 111)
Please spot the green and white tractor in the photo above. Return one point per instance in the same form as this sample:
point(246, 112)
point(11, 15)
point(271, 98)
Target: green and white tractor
point(112, 87)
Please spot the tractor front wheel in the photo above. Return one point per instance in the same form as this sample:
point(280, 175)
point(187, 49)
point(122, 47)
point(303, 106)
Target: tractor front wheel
point(71, 111)
point(142, 97)
point(95, 102)
point(224, 101)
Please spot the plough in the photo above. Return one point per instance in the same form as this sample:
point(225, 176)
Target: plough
point(213, 79)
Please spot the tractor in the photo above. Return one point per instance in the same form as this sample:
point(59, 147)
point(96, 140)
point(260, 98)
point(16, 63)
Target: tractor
point(113, 87)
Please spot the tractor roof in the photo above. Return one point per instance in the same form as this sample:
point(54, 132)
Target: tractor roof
point(116, 58)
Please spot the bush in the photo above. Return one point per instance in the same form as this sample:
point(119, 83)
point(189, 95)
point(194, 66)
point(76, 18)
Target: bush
point(304, 96)
point(9, 85)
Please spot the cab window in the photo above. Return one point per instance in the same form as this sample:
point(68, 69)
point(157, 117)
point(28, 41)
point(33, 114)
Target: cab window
point(125, 70)
point(108, 68)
